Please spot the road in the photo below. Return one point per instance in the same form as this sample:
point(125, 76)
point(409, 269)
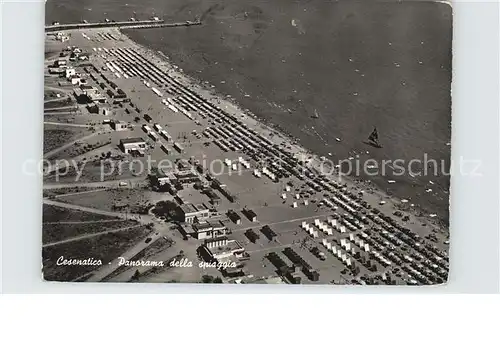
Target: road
point(68, 124)
point(107, 183)
point(144, 219)
point(62, 98)
point(70, 144)
point(88, 236)
point(68, 90)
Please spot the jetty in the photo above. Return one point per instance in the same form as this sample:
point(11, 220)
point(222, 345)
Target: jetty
point(122, 24)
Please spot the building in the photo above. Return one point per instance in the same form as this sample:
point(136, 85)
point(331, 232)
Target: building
point(105, 111)
point(220, 252)
point(178, 147)
point(233, 216)
point(216, 184)
point(161, 177)
point(212, 195)
point(282, 268)
point(56, 70)
point(62, 37)
point(61, 63)
point(250, 214)
point(75, 80)
point(80, 96)
point(87, 88)
point(186, 177)
point(69, 72)
point(120, 94)
point(95, 96)
point(183, 165)
point(268, 232)
point(191, 212)
point(132, 144)
point(209, 230)
point(201, 230)
point(308, 271)
point(252, 235)
point(93, 108)
point(118, 125)
point(216, 242)
point(85, 95)
point(218, 228)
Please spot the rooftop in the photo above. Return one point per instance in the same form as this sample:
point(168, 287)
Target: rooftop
point(250, 213)
point(131, 140)
point(185, 174)
point(211, 240)
point(202, 226)
point(161, 173)
point(216, 224)
point(212, 194)
point(190, 208)
point(232, 246)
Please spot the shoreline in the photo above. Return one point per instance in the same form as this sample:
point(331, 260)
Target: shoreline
point(278, 135)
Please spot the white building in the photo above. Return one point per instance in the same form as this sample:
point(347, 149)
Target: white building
point(69, 72)
point(118, 126)
point(191, 212)
point(75, 80)
point(132, 144)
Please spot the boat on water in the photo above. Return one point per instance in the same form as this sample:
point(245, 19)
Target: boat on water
point(315, 115)
point(373, 139)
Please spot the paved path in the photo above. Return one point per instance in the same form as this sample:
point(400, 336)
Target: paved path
point(57, 88)
point(107, 183)
point(68, 124)
point(88, 236)
point(70, 144)
point(55, 99)
point(144, 219)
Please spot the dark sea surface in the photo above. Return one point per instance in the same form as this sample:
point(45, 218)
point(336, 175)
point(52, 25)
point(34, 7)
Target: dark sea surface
point(359, 64)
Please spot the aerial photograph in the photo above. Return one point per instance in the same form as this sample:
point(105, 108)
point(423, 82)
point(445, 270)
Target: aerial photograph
point(247, 142)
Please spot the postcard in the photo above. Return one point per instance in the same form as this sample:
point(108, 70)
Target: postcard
point(247, 142)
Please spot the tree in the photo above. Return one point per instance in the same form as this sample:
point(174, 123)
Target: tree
point(136, 275)
point(217, 280)
point(166, 208)
point(207, 279)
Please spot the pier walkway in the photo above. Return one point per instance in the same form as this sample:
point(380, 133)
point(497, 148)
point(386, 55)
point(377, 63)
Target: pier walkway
point(123, 25)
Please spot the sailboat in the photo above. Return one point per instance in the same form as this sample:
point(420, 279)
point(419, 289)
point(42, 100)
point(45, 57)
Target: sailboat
point(316, 115)
point(373, 139)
